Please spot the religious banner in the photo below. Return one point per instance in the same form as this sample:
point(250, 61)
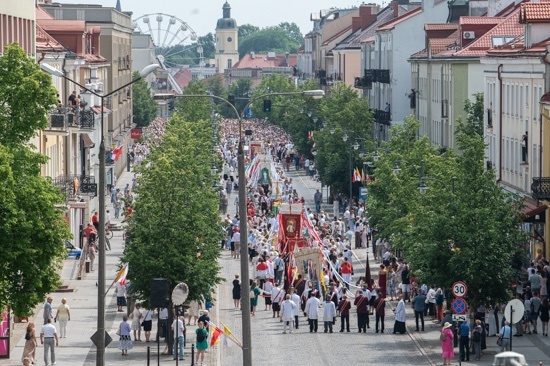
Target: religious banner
point(135, 133)
point(265, 179)
point(254, 149)
point(291, 226)
point(296, 244)
point(309, 263)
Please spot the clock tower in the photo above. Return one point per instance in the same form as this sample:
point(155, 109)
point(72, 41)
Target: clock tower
point(227, 43)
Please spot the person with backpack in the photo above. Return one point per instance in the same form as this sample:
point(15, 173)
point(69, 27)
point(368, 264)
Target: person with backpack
point(476, 337)
point(202, 342)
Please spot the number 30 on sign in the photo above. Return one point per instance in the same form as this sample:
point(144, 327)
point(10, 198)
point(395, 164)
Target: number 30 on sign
point(460, 289)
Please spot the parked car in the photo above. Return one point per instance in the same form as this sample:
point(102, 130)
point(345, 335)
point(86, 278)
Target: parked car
point(72, 251)
point(509, 358)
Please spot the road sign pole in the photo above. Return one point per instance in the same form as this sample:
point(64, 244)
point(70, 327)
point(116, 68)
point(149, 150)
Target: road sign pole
point(511, 322)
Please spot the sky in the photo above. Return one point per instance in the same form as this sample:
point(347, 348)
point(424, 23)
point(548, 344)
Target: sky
point(201, 15)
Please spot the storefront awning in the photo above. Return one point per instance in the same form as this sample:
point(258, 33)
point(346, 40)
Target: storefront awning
point(533, 209)
point(87, 141)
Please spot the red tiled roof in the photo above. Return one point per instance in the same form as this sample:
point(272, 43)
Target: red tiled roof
point(46, 43)
point(534, 12)
point(480, 20)
point(183, 77)
point(517, 48)
point(92, 59)
point(438, 45)
point(510, 27)
point(42, 14)
point(391, 24)
point(335, 36)
point(440, 26)
point(63, 25)
point(260, 61)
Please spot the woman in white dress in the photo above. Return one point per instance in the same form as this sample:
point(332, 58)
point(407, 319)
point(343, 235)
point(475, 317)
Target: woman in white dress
point(136, 322)
point(193, 312)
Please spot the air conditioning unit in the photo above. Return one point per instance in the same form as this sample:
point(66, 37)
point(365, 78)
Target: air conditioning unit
point(468, 35)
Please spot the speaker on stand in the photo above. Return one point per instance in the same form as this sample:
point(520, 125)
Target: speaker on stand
point(159, 293)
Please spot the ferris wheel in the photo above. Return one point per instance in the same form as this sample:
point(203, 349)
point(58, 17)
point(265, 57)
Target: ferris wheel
point(171, 35)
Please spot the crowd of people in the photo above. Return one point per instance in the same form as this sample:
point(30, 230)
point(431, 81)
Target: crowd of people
point(340, 288)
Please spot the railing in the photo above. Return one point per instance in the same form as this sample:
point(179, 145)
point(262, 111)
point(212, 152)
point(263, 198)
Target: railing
point(376, 75)
point(382, 117)
point(540, 188)
point(74, 185)
point(63, 117)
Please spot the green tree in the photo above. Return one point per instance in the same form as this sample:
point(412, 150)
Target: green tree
point(274, 83)
point(270, 39)
point(144, 106)
point(31, 227)
point(293, 31)
point(345, 113)
point(242, 90)
point(194, 109)
point(464, 226)
point(245, 30)
point(475, 114)
point(175, 227)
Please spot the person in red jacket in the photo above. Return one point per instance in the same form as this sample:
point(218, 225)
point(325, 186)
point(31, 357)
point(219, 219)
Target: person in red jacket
point(344, 307)
point(346, 269)
point(95, 220)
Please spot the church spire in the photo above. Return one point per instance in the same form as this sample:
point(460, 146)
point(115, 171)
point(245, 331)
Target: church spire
point(118, 5)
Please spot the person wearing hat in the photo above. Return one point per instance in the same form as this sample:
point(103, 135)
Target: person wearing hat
point(447, 349)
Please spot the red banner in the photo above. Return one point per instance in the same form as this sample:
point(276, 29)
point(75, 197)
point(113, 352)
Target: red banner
point(136, 133)
point(292, 225)
point(292, 243)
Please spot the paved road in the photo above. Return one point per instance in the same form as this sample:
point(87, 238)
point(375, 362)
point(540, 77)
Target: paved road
point(319, 348)
point(270, 346)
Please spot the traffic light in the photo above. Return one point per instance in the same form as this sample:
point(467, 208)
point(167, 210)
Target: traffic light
point(231, 99)
point(267, 105)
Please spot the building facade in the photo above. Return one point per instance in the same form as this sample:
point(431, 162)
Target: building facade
point(116, 47)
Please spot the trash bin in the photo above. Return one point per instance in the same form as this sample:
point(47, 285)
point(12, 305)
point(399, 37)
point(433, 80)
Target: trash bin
point(87, 266)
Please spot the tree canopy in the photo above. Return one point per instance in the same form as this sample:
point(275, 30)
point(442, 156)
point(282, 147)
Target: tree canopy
point(175, 228)
point(32, 227)
point(464, 226)
point(285, 37)
point(143, 104)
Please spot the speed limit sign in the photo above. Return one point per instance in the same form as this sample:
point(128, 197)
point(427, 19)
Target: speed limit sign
point(460, 289)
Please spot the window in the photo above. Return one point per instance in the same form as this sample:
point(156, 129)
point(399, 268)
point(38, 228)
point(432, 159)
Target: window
point(229, 63)
point(500, 40)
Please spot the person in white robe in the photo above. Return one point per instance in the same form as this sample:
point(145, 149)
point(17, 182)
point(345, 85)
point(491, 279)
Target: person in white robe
point(399, 326)
point(312, 312)
point(288, 308)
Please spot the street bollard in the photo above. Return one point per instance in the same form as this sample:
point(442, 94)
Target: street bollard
point(148, 355)
point(192, 355)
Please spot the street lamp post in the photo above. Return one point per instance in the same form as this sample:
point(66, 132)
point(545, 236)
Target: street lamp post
point(245, 275)
point(100, 354)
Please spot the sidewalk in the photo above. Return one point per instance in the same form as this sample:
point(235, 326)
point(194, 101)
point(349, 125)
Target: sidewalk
point(77, 349)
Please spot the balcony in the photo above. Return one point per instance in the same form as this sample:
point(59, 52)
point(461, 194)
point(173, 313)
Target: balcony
point(382, 117)
point(378, 76)
point(73, 186)
point(362, 83)
point(63, 117)
point(540, 188)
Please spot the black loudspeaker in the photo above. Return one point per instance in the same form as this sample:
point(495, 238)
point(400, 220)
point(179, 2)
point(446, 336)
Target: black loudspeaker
point(159, 293)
